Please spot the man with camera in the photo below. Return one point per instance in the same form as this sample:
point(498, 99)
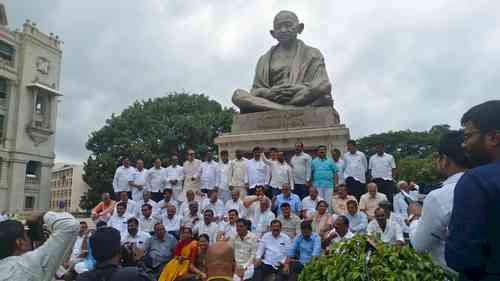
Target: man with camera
point(18, 258)
point(105, 246)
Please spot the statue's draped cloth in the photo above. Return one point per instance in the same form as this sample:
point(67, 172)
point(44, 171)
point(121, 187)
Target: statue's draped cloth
point(308, 69)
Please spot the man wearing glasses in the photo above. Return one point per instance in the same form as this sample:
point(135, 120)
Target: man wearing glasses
point(473, 244)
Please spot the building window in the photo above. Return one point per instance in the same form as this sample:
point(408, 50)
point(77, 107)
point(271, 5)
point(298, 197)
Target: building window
point(29, 202)
point(2, 120)
point(7, 52)
point(3, 88)
point(33, 169)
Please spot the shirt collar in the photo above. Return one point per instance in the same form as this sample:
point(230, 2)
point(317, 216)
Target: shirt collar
point(453, 179)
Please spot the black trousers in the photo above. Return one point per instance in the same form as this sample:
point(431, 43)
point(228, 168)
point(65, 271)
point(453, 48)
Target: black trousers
point(386, 187)
point(263, 272)
point(156, 196)
point(295, 270)
point(356, 188)
point(300, 190)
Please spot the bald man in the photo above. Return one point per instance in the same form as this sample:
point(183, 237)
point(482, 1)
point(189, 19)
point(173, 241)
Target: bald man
point(220, 262)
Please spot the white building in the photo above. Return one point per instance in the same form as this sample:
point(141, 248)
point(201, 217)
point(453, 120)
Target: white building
point(30, 66)
point(67, 187)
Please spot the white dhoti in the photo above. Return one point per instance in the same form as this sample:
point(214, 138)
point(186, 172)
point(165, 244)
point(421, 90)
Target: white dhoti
point(247, 275)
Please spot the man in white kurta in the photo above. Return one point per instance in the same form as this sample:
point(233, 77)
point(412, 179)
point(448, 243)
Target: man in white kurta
point(174, 177)
point(192, 172)
point(137, 180)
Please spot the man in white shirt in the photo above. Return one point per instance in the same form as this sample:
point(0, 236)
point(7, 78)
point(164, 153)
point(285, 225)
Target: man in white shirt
point(119, 220)
point(370, 200)
point(171, 221)
point(256, 171)
point(280, 172)
point(388, 230)
point(235, 203)
point(310, 202)
point(147, 220)
point(192, 171)
point(120, 180)
point(147, 200)
point(402, 198)
point(131, 206)
point(155, 180)
point(382, 169)
point(271, 253)
point(190, 219)
point(3, 216)
point(222, 180)
point(207, 226)
point(174, 177)
point(339, 162)
point(245, 247)
point(215, 204)
point(137, 180)
point(340, 231)
point(135, 237)
point(227, 229)
point(168, 199)
point(355, 170)
point(301, 167)
point(18, 263)
point(77, 254)
point(263, 217)
point(208, 174)
point(429, 226)
point(237, 174)
point(190, 197)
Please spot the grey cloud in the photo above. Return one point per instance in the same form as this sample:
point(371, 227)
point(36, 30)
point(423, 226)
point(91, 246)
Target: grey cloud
point(394, 65)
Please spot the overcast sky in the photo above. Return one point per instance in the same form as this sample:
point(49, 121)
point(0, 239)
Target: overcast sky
point(394, 64)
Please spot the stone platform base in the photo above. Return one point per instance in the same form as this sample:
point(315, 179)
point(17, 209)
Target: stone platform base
point(283, 129)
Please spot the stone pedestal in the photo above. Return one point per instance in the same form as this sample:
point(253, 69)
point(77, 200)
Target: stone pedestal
point(312, 126)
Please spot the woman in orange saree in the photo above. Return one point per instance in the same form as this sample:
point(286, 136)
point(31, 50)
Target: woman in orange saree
point(185, 254)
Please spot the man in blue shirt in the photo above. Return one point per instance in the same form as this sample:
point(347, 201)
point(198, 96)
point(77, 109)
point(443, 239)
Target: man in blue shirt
point(288, 197)
point(358, 221)
point(305, 246)
point(324, 174)
point(473, 244)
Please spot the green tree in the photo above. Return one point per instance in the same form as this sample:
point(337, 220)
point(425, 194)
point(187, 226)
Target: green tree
point(152, 128)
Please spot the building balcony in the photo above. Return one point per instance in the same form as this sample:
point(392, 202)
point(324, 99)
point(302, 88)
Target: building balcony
point(31, 180)
point(3, 104)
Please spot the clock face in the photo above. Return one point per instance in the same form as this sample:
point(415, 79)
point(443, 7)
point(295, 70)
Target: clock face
point(43, 65)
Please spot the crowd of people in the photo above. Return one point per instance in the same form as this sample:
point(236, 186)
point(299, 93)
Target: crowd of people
point(269, 216)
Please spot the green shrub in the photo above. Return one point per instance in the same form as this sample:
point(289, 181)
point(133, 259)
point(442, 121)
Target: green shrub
point(345, 261)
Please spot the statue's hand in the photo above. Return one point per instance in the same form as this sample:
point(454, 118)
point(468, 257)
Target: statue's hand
point(302, 97)
point(263, 93)
point(282, 93)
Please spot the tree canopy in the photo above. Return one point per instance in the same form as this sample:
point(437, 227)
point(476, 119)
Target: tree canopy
point(148, 129)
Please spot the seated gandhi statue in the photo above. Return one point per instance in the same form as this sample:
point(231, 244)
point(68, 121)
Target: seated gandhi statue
point(291, 75)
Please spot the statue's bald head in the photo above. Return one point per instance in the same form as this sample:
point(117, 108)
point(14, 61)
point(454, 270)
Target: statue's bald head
point(220, 259)
point(286, 27)
point(286, 15)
